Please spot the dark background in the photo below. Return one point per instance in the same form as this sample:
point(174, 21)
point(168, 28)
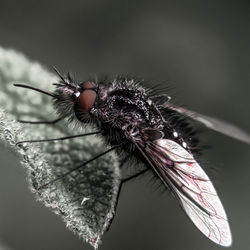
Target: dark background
point(202, 49)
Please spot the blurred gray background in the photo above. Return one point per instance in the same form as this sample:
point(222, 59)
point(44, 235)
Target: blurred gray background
point(200, 48)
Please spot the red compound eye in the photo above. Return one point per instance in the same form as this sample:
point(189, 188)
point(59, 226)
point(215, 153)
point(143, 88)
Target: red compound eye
point(86, 99)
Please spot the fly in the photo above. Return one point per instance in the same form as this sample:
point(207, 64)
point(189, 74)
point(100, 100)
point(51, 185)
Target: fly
point(136, 123)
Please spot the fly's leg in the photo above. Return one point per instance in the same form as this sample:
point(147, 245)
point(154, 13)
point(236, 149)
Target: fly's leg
point(42, 122)
point(78, 167)
point(58, 139)
point(120, 188)
point(123, 181)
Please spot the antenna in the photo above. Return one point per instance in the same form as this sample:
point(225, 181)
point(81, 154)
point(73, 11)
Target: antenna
point(36, 89)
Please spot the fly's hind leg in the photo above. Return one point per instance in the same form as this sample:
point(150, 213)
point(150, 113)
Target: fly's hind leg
point(121, 184)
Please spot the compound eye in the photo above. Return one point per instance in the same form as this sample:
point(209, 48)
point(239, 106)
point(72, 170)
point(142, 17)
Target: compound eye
point(86, 99)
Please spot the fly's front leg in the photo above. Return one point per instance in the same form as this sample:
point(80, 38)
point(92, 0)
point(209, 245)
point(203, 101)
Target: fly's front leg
point(42, 122)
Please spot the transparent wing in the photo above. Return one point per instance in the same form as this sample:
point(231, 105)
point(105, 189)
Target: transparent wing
point(213, 123)
point(178, 170)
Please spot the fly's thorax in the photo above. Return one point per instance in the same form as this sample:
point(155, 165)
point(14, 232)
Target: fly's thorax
point(126, 109)
point(126, 100)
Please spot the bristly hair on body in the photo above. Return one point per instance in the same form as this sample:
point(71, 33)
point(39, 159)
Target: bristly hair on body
point(144, 126)
point(124, 99)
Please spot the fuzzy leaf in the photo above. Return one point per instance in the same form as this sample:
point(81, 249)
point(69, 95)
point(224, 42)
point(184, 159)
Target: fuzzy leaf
point(85, 199)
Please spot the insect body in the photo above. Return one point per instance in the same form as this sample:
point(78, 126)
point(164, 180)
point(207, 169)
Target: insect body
point(139, 124)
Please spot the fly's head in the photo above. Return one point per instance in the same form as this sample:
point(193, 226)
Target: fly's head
point(75, 99)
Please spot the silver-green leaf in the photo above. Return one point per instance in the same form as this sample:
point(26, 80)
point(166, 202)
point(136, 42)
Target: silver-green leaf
point(85, 199)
